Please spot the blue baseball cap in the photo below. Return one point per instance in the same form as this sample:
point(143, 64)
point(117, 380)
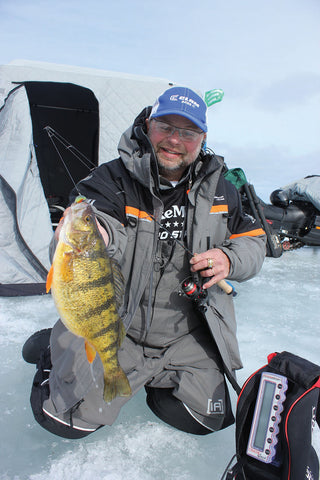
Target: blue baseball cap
point(182, 101)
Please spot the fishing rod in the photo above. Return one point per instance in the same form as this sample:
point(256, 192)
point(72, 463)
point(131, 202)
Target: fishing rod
point(190, 287)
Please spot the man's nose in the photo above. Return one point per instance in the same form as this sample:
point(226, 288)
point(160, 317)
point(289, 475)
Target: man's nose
point(175, 136)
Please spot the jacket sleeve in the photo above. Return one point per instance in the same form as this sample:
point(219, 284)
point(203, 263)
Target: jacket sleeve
point(246, 245)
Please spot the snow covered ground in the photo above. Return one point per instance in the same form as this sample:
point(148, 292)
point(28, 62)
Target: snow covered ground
point(278, 310)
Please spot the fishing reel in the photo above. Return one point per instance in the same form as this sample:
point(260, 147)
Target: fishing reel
point(195, 292)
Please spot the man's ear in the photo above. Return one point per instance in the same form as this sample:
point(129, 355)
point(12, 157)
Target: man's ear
point(147, 124)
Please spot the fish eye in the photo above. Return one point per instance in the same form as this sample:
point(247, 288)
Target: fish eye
point(87, 218)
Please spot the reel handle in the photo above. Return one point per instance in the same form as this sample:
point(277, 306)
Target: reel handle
point(226, 287)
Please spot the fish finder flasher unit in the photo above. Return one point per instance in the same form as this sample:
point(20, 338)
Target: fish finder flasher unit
point(263, 439)
point(278, 411)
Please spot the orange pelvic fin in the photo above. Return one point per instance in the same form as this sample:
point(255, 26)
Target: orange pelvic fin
point(49, 279)
point(90, 351)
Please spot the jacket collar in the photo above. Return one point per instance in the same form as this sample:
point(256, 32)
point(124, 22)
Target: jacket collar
point(137, 153)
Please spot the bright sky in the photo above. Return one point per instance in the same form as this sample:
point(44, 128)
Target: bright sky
point(264, 54)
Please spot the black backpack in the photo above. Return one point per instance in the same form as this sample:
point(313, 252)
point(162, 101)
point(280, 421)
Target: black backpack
point(294, 384)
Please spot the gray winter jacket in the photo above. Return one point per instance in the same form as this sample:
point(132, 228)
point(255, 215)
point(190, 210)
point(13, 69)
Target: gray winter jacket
point(214, 218)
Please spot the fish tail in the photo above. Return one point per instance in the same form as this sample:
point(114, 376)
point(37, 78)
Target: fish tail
point(115, 385)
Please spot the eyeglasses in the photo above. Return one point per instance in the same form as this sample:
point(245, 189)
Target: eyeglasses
point(168, 130)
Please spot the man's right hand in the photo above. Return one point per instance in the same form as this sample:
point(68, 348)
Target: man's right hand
point(104, 233)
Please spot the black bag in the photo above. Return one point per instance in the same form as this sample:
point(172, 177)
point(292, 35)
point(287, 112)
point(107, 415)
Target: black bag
point(297, 458)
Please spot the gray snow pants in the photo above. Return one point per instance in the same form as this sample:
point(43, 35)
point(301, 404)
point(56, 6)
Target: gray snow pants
point(184, 383)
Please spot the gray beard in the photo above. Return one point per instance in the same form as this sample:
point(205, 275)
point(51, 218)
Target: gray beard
point(171, 171)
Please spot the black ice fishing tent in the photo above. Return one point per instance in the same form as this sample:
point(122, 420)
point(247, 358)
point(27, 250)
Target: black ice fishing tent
point(74, 111)
point(56, 124)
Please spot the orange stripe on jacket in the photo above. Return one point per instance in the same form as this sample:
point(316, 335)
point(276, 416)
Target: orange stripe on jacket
point(219, 209)
point(250, 233)
point(135, 212)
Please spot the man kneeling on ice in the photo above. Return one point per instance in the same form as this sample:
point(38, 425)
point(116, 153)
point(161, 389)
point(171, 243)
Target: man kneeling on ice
point(175, 227)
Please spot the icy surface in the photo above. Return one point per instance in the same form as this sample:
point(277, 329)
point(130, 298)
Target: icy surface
point(278, 310)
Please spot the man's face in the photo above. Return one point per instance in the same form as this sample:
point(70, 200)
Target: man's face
point(174, 152)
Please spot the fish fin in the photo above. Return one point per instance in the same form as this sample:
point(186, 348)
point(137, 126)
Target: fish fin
point(67, 267)
point(90, 351)
point(49, 279)
point(122, 333)
point(116, 385)
point(118, 282)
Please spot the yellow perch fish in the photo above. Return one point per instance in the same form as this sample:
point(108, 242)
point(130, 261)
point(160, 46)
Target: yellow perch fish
point(87, 287)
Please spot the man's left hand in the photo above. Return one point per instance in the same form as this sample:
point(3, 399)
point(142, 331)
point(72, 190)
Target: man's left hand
point(213, 264)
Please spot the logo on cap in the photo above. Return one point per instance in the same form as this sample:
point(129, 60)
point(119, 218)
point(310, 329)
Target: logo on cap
point(188, 101)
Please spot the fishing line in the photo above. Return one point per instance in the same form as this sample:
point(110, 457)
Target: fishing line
point(68, 146)
point(52, 134)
